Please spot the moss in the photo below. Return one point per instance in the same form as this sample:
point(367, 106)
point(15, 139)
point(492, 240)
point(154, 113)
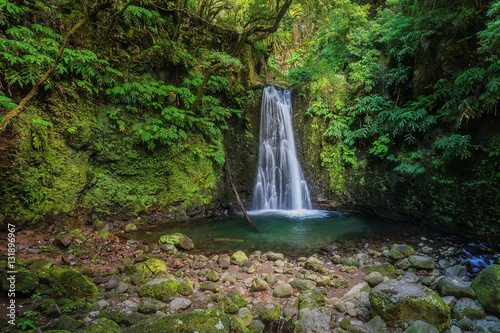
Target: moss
point(74, 285)
point(208, 321)
point(101, 325)
point(485, 285)
point(270, 312)
point(163, 289)
point(185, 288)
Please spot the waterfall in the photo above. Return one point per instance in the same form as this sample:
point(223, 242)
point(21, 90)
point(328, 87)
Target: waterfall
point(280, 182)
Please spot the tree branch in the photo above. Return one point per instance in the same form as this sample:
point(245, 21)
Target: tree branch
point(14, 112)
point(116, 15)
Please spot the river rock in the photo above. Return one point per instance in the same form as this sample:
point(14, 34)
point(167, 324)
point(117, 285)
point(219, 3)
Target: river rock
point(178, 304)
point(398, 302)
point(386, 269)
point(197, 321)
point(313, 264)
point(283, 290)
point(458, 270)
point(487, 326)
point(421, 327)
point(273, 256)
point(376, 325)
point(74, 285)
point(169, 249)
point(163, 289)
point(421, 262)
point(311, 299)
point(314, 320)
point(362, 287)
point(403, 263)
point(270, 311)
point(245, 315)
point(464, 324)
point(178, 239)
point(259, 284)
point(150, 306)
point(487, 288)
point(25, 282)
point(302, 285)
point(467, 307)
point(454, 286)
point(102, 325)
point(213, 275)
point(400, 251)
point(239, 256)
point(224, 261)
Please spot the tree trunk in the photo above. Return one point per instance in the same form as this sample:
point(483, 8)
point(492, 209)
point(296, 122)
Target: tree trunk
point(238, 197)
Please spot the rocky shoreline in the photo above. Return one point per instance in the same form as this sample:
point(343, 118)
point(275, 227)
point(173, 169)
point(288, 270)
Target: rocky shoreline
point(82, 281)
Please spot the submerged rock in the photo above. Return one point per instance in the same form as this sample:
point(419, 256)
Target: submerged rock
point(397, 302)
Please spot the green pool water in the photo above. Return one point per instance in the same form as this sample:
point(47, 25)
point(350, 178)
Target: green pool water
point(289, 232)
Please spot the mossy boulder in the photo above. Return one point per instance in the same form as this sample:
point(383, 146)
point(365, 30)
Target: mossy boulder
point(208, 321)
point(150, 266)
point(386, 269)
point(23, 282)
point(398, 303)
point(270, 311)
point(101, 325)
point(74, 285)
point(311, 299)
point(302, 285)
point(178, 239)
point(50, 275)
point(185, 287)
point(400, 251)
point(487, 288)
point(239, 256)
point(421, 262)
point(313, 264)
point(164, 289)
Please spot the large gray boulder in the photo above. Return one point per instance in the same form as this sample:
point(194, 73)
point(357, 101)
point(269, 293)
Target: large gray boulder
point(398, 303)
point(314, 320)
point(421, 262)
point(454, 286)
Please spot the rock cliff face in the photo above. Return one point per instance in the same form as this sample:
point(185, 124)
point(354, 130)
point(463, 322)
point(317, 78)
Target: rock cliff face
point(462, 195)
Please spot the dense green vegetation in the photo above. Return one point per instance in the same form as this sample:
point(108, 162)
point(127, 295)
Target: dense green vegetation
point(126, 107)
point(416, 85)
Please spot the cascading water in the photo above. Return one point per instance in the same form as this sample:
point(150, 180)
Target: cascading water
point(280, 181)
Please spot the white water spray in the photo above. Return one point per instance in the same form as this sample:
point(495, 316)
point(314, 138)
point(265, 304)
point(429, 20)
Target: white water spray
point(280, 181)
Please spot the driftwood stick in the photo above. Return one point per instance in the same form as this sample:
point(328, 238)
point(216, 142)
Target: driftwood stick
point(238, 197)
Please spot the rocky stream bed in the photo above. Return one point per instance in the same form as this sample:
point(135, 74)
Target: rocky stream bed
point(80, 281)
